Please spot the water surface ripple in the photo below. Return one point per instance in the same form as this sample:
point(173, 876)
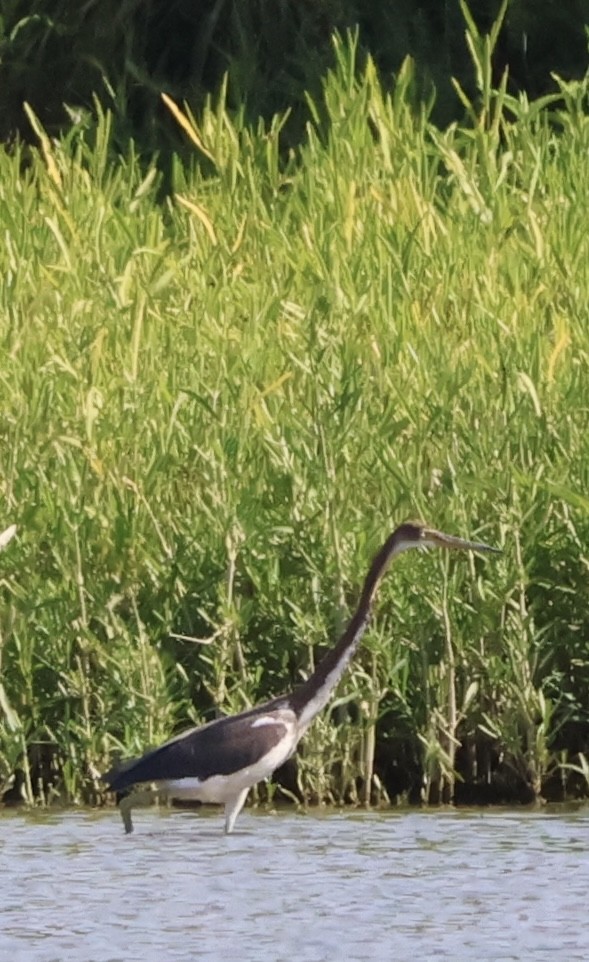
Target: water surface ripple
point(315, 888)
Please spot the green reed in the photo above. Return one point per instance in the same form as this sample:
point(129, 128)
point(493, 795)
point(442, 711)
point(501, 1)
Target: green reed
point(214, 409)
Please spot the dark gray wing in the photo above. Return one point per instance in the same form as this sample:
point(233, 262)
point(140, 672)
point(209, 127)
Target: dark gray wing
point(222, 747)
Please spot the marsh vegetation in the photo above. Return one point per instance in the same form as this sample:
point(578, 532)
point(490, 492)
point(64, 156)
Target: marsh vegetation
point(213, 406)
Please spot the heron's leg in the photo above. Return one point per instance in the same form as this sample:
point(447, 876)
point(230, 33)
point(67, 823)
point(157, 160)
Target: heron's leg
point(142, 797)
point(232, 809)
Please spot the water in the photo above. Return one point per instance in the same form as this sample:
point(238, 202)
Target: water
point(315, 888)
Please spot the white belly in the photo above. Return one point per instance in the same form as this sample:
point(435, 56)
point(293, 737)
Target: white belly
point(219, 789)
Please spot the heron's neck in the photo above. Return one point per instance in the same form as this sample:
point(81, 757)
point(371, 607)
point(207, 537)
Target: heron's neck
point(311, 697)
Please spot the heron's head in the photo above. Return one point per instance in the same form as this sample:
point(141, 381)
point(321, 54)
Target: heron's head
point(415, 534)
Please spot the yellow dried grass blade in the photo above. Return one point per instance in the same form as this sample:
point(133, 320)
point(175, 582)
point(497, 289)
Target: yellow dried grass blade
point(52, 168)
point(527, 384)
point(560, 346)
point(187, 126)
point(276, 384)
point(202, 216)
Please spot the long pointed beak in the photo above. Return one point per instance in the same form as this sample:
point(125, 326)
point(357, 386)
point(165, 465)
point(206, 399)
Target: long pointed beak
point(442, 540)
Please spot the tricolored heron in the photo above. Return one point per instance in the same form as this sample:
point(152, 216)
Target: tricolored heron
point(220, 761)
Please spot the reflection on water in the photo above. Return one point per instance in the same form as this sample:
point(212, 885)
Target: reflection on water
point(314, 888)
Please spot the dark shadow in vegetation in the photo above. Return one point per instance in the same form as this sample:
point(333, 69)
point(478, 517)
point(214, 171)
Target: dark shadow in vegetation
point(58, 54)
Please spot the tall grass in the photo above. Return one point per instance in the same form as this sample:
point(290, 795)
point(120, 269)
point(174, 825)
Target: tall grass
point(213, 410)
point(273, 52)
